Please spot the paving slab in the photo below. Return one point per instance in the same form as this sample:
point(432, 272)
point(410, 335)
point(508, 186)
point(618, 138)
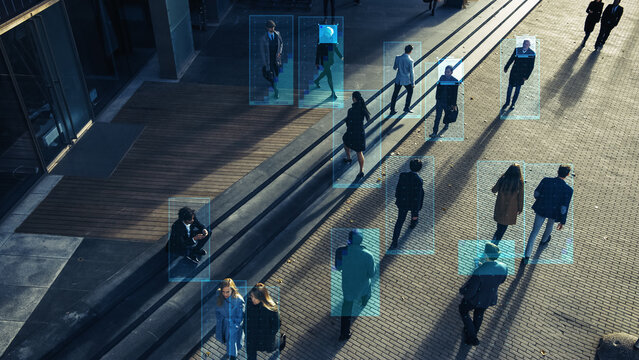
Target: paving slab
point(17, 302)
point(29, 271)
point(40, 245)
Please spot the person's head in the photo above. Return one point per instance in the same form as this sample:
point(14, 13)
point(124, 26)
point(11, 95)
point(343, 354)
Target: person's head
point(357, 97)
point(492, 251)
point(563, 171)
point(259, 295)
point(408, 49)
point(226, 290)
point(512, 180)
point(415, 165)
point(270, 26)
point(526, 44)
point(186, 215)
point(448, 71)
point(355, 237)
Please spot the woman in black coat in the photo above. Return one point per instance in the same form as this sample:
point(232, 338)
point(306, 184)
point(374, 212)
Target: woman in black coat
point(262, 322)
point(355, 136)
point(594, 15)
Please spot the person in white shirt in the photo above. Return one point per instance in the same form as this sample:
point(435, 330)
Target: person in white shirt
point(404, 65)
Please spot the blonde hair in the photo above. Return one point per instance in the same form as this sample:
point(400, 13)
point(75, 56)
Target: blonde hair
point(228, 282)
point(260, 292)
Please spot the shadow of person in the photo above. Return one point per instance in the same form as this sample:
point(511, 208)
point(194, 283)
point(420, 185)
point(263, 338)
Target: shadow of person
point(575, 86)
point(560, 78)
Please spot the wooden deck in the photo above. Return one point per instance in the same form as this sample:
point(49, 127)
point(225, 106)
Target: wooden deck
point(199, 139)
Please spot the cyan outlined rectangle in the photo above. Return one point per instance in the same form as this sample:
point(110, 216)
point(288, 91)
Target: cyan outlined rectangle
point(391, 50)
point(470, 255)
point(180, 269)
point(455, 130)
point(528, 105)
point(339, 238)
point(260, 90)
point(421, 239)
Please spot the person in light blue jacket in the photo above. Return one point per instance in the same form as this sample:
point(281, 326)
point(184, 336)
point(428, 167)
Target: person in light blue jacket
point(229, 316)
point(405, 77)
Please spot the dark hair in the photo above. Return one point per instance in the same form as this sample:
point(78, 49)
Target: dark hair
point(186, 214)
point(260, 292)
point(361, 103)
point(415, 165)
point(408, 48)
point(270, 24)
point(449, 67)
point(563, 171)
point(512, 180)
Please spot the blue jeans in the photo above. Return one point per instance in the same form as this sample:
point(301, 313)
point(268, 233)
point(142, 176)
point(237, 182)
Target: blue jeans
point(539, 221)
point(515, 96)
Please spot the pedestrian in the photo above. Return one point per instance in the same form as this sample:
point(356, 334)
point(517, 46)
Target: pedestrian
point(409, 196)
point(325, 56)
point(432, 4)
point(510, 200)
point(188, 236)
point(271, 47)
point(446, 100)
point(552, 199)
point(609, 19)
point(594, 15)
point(262, 323)
point(332, 10)
point(355, 136)
point(358, 268)
point(480, 292)
point(229, 316)
point(523, 61)
point(404, 65)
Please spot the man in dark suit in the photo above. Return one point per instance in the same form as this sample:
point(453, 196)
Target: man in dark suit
point(271, 46)
point(523, 61)
point(480, 292)
point(609, 19)
point(446, 100)
point(409, 196)
point(552, 198)
point(188, 235)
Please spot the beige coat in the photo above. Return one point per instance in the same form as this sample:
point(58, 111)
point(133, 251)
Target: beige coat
point(507, 205)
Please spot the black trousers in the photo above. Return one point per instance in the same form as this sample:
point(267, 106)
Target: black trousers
point(401, 217)
point(501, 229)
point(329, 76)
point(439, 108)
point(471, 326)
point(332, 8)
point(604, 31)
point(276, 72)
point(347, 312)
point(409, 95)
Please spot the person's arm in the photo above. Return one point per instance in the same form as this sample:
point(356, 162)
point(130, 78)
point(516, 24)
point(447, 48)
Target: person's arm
point(565, 204)
point(236, 315)
point(618, 17)
point(520, 199)
point(395, 63)
point(371, 267)
point(540, 189)
point(495, 188)
point(338, 258)
point(264, 51)
point(510, 61)
point(530, 66)
point(471, 286)
point(412, 73)
point(398, 190)
point(280, 46)
point(452, 95)
point(318, 54)
point(338, 52)
point(589, 10)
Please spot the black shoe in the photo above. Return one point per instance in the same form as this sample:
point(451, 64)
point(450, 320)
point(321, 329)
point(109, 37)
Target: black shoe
point(347, 161)
point(525, 260)
point(192, 259)
point(393, 246)
point(344, 337)
point(333, 96)
point(360, 175)
point(512, 107)
point(445, 127)
point(277, 94)
point(316, 84)
point(413, 223)
point(392, 112)
point(201, 252)
point(546, 242)
point(474, 342)
point(433, 135)
point(505, 106)
point(408, 111)
point(583, 44)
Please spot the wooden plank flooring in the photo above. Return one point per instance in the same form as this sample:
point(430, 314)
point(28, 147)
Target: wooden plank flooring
point(199, 139)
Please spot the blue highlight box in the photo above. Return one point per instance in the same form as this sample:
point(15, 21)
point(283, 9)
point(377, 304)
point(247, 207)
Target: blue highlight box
point(339, 237)
point(528, 106)
point(458, 71)
point(180, 269)
point(390, 51)
point(327, 34)
point(470, 254)
point(345, 175)
point(455, 131)
point(260, 90)
point(421, 239)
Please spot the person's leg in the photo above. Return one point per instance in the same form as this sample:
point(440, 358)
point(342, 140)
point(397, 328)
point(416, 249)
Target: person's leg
point(360, 159)
point(539, 221)
point(501, 229)
point(329, 79)
point(583, 43)
point(605, 36)
point(469, 327)
point(251, 351)
point(414, 218)
point(602, 31)
point(409, 95)
point(347, 309)
point(478, 318)
point(325, 5)
point(320, 76)
point(348, 152)
point(394, 97)
point(333, 10)
point(438, 115)
point(401, 217)
point(508, 92)
point(546, 235)
point(516, 95)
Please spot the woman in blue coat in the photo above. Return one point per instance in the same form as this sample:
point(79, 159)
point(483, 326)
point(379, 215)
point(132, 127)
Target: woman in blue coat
point(229, 315)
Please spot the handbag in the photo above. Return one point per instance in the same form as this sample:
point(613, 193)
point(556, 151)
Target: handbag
point(268, 74)
point(451, 116)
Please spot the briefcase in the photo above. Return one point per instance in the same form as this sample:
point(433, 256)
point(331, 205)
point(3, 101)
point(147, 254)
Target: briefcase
point(450, 116)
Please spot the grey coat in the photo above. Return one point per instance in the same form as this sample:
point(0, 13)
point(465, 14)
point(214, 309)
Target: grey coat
point(266, 58)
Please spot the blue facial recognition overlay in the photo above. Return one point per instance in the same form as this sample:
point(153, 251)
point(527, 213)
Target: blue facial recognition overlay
point(272, 319)
point(271, 60)
point(355, 273)
point(421, 238)
point(559, 250)
point(183, 242)
point(488, 174)
point(471, 255)
point(441, 101)
point(231, 324)
point(327, 34)
point(395, 60)
point(358, 134)
point(320, 62)
point(520, 89)
point(450, 71)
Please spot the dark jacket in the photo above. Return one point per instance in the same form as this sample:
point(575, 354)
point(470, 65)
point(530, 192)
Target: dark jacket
point(262, 326)
point(552, 199)
point(593, 17)
point(409, 193)
point(522, 67)
point(446, 93)
point(325, 54)
point(608, 18)
point(179, 240)
point(481, 289)
point(358, 268)
point(264, 49)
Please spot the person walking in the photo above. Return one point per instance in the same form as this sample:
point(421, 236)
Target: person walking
point(552, 199)
point(262, 323)
point(332, 10)
point(609, 19)
point(358, 268)
point(510, 200)
point(271, 47)
point(409, 196)
point(355, 136)
point(325, 56)
point(480, 292)
point(188, 236)
point(523, 62)
point(594, 15)
point(229, 316)
point(446, 99)
point(404, 65)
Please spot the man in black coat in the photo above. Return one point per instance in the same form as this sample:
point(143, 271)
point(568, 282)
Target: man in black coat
point(523, 62)
point(609, 19)
point(409, 196)
point(446, 100)
point(480, 292)
point(271, 47)
point(188, 235)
